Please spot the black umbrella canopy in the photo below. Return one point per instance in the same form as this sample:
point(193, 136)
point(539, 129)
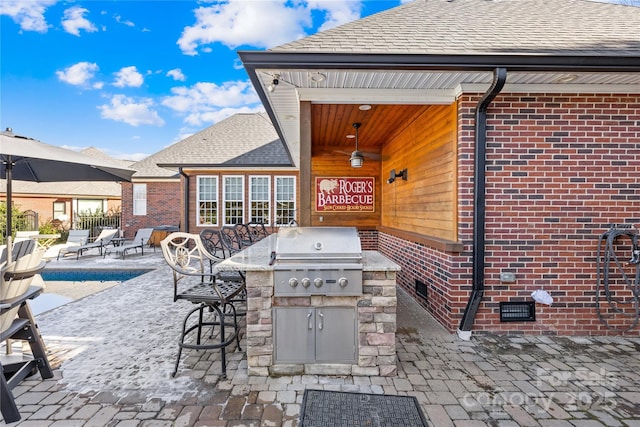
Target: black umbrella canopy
point(27, 159)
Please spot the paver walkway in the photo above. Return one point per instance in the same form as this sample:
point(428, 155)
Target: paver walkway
point(113, 353)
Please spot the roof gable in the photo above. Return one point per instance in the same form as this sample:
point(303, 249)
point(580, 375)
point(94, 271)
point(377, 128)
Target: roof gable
point(247, 140)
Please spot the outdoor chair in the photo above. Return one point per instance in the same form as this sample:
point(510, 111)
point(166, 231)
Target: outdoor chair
point(244, 235)
point(19, 249)
point(17, 323)
point(231, 239)
point(258, 231)
point(140, 240)
point(213, 243)
point(103, 239)
point(75, 238)
point(188, 258)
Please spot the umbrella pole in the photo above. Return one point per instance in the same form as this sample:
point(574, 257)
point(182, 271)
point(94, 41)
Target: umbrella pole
point(8, 175)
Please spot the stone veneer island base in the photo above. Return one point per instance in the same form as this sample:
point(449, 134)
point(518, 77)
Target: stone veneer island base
point(374, 316)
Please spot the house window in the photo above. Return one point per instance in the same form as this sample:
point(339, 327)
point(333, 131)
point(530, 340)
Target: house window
point(59, 210)
point(233, 192)
point(259, 195)
point(90, 206)
point(285, 198)
point(139, 199)
point(207, 200)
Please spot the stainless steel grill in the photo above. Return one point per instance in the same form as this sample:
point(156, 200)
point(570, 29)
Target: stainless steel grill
point(318, 261)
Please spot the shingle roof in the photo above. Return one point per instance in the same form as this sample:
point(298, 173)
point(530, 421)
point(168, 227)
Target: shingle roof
point(98, 154)
point(473, 27)
point(248, 140)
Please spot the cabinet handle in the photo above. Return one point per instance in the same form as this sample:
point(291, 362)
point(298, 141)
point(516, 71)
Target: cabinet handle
point(309, 322)
point(321, 321)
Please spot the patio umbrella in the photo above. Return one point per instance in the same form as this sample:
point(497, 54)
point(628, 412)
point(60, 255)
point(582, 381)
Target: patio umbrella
point(27, 159)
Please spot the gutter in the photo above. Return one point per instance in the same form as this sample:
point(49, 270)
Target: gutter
point(479, 203)
point(185, 191)
point(283, 60)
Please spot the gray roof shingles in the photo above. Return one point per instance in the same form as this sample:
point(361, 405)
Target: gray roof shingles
point(480, 27)
point(248, 140)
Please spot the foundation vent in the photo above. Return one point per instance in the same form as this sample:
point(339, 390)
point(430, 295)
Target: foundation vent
point(524, 311)
point(421, 289)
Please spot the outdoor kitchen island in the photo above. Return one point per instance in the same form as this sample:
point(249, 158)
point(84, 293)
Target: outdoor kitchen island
point(323, 318)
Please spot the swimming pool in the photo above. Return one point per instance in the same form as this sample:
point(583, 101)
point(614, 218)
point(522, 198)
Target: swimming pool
point(64, 286)
point(87, 275)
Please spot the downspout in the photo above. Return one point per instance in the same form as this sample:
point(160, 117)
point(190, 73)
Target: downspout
point(185, 191)
point(479, 202)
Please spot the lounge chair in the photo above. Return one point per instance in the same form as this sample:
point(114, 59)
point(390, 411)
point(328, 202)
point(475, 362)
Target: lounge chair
point(103, 239)
point(75, 238)
point(140, 240)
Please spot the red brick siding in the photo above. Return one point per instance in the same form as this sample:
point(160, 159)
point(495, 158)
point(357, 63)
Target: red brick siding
point(163, 206)
point(368, 240)
point(561, 169)
point(443, 274)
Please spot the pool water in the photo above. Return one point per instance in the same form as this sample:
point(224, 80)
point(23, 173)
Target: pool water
point(91, 275)
point(64, 286)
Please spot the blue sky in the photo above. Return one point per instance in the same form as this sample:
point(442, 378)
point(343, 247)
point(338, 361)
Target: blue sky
point(132, 77)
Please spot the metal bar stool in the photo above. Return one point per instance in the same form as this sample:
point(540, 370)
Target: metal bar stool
point(187, 257)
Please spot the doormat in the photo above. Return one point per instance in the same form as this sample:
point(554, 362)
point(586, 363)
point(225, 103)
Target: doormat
point(344, 409)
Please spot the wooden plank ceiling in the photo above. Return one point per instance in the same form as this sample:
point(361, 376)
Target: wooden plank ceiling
point(331, 123)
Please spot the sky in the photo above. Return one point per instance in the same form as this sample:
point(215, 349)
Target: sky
point(132, 77)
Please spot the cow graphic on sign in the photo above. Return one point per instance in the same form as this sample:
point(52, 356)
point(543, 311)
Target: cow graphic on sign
point(345, 194)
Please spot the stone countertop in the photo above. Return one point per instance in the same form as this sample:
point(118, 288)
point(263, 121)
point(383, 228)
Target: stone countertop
point(257, 257)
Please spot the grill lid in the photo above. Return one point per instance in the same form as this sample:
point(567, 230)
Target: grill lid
point(338, 244)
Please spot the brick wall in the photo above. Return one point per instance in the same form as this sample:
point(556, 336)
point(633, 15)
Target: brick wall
point(561, 169)
point(368, 240)
point(163, 206)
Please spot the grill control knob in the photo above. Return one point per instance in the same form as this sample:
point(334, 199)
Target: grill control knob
point(343, 281)
point(306, 282)
point(293, 282)
point(318, 282)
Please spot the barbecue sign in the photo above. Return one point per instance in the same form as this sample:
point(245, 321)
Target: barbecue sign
point(345, 195)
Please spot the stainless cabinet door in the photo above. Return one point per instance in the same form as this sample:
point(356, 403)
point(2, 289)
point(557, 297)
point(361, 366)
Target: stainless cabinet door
point(336, 335)
point(294, 329)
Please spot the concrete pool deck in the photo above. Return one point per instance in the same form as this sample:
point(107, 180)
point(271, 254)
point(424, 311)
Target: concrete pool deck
point(113, 352)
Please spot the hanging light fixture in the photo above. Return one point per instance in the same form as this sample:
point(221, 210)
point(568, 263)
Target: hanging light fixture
point(356, 158)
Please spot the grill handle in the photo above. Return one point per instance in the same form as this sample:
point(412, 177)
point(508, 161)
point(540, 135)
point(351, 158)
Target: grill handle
point(309, 322)
point(321, 323)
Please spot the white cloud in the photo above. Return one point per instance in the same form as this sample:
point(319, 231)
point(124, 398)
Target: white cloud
point(28, 14)
point(199, 118)
point(336, 12)
point(205, 103)
point(133, 112)
point(79, 74)
point(126, 22)
point(238, 22)
point(176, 74)
point(128, 77)
point(74, 21)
